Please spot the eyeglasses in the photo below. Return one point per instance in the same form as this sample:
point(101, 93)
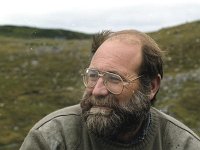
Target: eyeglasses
point(113, 82)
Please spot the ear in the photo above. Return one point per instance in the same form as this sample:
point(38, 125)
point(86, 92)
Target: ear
point(155, 85)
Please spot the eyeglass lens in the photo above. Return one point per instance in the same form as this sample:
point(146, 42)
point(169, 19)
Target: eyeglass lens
point(113, 82)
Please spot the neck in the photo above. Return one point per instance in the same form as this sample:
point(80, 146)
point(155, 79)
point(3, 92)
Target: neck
point(135, 132)
point(130, 133)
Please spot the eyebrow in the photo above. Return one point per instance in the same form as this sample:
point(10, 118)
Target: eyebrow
point(116, 72)
point(113, 71)
point(110, 71)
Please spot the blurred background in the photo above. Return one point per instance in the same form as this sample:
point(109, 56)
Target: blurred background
point(44, 45)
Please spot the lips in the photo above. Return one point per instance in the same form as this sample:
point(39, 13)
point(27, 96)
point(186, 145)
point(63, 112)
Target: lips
point(100, 110)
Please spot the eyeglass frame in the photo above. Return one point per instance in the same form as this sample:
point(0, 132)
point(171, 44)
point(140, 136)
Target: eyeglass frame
point(102, 73)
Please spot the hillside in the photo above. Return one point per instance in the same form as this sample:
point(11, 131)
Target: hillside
point(30, 32)
point(181, 44)
point(179, 94)
point(40, 75)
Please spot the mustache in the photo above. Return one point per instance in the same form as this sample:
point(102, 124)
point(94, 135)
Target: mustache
point(136, 104)
point(88, 101)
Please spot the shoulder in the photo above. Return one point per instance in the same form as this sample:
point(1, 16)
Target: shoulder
point(175, 132)
point(56, 131)
point(63, 115)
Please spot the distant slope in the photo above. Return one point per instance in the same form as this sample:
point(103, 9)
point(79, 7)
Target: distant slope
point(179, 93)
point(30, 32)
point(182, 46)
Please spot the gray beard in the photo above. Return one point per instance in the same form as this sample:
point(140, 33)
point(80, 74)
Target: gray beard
point(107, 117)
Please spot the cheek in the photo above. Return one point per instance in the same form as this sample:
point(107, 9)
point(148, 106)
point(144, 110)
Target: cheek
point(88, 90)
point(128, 92)
point(124, 96)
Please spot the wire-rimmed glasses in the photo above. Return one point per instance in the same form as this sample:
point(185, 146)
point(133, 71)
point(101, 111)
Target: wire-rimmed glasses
point(113, 82)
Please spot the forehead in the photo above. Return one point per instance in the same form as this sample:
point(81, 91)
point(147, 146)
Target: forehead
point(118, 54)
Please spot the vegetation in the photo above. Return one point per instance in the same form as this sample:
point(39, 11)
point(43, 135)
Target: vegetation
point(180, 87)
point(30, 32)
point(40, 75)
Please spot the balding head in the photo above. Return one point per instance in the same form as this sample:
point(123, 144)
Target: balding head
point(152, 62)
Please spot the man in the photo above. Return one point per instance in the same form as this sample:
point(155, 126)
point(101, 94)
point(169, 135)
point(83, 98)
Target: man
point(115, 113)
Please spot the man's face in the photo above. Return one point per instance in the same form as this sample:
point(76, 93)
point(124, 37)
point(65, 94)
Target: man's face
point(107, 114)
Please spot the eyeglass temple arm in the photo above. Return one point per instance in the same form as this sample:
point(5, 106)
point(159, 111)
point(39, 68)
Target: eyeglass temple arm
point(135, 78)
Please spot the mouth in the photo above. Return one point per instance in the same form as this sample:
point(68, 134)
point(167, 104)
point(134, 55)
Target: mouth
point(100, 110)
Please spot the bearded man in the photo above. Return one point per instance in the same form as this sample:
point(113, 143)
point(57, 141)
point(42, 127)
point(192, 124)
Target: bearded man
point(115, 112)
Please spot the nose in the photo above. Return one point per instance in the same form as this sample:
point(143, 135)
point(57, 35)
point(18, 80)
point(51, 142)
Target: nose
point(100, 89)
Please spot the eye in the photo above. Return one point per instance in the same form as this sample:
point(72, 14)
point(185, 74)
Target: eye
point(113, 78)
point(92, 74)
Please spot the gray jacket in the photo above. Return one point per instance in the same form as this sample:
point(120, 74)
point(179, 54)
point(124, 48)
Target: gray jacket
point(65, 130)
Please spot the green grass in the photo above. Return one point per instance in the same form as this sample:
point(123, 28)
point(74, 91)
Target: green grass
point(187, 105)
point(182, 102)
point(181, 45)
point(38, 76)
